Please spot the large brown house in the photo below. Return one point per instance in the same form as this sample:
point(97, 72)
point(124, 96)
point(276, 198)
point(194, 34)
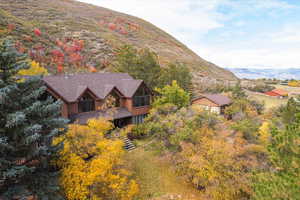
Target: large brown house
point(215, 103)
point(114, 95)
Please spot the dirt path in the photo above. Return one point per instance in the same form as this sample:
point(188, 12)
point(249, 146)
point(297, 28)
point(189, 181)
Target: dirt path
point(157, 179)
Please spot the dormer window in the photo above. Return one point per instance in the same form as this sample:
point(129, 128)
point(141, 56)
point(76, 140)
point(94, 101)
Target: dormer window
point(86, 103)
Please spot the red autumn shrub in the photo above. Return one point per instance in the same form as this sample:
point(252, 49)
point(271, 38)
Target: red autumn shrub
point(92, 69)
point(60, 68)
point(112, 26)
point(37, 32)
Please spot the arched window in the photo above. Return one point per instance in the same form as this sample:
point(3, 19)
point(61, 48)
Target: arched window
point(86, 103)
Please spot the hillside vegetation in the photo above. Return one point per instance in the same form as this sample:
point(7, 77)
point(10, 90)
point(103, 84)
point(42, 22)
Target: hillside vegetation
point(88, 37)
point(182, 151)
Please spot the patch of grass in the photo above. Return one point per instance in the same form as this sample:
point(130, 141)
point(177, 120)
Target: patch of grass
point(270, 102)
point(156, 177)
point(288, 88)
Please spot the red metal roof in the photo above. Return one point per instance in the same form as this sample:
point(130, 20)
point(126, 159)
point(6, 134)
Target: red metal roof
point(271, 93)
point(280, 92)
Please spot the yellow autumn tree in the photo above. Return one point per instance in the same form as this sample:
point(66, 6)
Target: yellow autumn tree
point(264, 133)
point(210, 164)
point(35, 69)
point(294, 83)
point(92, 166)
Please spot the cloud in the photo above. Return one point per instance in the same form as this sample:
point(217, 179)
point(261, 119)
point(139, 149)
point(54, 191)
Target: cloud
point(253, 58)
point(226, 32)
point(289, 34)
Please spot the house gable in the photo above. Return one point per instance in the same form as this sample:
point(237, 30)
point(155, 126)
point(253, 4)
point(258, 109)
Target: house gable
point(144, 87)
point(87, 91)
point(113, 99)
point(205, 102)
point(54, 93)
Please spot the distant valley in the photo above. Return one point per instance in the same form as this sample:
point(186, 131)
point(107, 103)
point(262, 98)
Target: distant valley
point(254, 73)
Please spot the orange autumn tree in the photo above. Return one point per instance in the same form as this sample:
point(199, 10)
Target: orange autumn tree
point(92, 166)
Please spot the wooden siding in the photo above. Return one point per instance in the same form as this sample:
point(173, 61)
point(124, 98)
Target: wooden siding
point(140, 110)
point(64, 110)
point(64, 107)
point(208, 105)
point(206, 102)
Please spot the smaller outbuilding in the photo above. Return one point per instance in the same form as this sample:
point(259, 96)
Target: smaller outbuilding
point(277, 93)
point(215, 103)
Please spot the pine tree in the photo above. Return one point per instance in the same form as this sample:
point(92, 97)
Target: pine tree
point(238, 92)
point(141, 64)
point(178, 72)
point(27, 126)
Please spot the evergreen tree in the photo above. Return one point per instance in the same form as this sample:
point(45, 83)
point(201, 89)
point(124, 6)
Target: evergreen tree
point(28, 123)
point(139, 64)
point(288, 112)
point(238, 92)
point(178, 72)
point(144, 64)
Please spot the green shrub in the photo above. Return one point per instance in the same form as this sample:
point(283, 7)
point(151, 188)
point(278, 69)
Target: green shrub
point(248, 127)
point(138, 132)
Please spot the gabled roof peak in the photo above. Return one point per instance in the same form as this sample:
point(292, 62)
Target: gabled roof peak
point(70, 87)
point(216, 98)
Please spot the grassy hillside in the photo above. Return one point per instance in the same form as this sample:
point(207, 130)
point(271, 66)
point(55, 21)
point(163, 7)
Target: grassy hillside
point(269, 102)
point(100, 29)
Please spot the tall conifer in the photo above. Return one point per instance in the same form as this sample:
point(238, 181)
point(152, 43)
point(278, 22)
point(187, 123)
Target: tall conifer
point(28, 123)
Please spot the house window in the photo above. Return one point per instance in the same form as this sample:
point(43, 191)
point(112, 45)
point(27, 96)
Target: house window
point(138, 119)
point(86, 103)
point(141, 97)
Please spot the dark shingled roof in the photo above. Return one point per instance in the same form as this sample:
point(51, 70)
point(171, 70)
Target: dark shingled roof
point(114, 113)
point(219, 99)
point(70, 87)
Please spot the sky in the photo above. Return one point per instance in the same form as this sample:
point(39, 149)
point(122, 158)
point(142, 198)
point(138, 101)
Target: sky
point(229, 33)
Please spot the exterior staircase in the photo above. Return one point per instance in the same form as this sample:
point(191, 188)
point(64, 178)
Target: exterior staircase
point(128, 145)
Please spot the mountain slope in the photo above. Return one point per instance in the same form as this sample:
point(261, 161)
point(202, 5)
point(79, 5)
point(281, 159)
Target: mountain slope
point(63, 23)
